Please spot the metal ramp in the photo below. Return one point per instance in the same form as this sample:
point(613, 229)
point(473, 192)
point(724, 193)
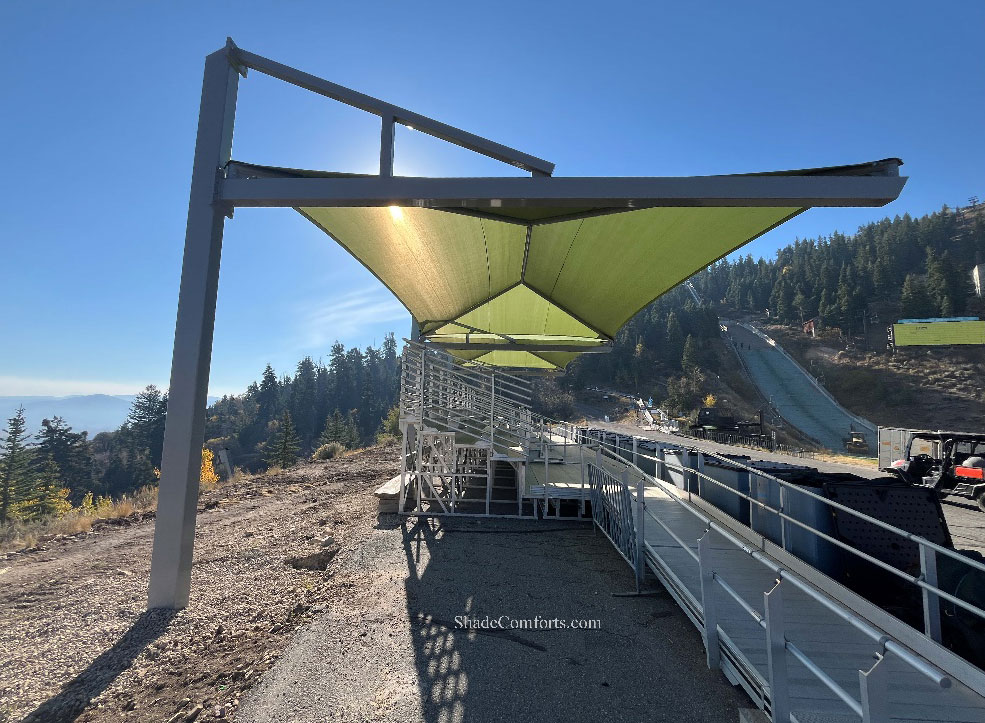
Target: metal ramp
point(802, 645)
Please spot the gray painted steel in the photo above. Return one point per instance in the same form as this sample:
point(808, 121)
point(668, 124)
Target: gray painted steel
point(785, 649)
point(387, 110)
point(174, 529)
point(488, 194)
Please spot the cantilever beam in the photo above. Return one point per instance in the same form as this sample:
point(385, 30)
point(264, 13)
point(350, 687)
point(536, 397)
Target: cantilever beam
point(621, 192)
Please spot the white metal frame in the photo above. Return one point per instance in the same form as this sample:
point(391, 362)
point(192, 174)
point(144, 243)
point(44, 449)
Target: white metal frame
point(915, 650)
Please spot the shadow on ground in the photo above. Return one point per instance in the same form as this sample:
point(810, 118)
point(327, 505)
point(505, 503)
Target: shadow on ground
point(101, 672)
point(639, 659)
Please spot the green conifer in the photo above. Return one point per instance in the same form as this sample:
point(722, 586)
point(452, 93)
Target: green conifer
point(283, 449)
point(16, 480)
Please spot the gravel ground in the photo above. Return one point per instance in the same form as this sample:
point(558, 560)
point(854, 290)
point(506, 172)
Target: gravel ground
point(394, 651)
point(76, 639)
point(373, 637)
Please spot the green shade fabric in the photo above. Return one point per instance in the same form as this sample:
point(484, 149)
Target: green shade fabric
point(568, 282)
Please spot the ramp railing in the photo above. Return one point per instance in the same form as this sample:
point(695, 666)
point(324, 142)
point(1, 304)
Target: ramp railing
point(872, 697)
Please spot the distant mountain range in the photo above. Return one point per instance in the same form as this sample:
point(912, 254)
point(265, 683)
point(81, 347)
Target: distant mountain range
point(93, 413)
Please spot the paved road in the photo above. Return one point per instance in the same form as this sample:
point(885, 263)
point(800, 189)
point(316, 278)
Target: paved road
point(792, 393)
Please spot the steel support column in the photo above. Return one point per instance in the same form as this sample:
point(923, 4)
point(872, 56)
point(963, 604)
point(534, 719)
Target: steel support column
point(174, 529)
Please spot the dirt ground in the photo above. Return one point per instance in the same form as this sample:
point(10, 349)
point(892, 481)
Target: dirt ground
point(77, 642)
point(917, 388)
point(370, 637)
point(396, 651)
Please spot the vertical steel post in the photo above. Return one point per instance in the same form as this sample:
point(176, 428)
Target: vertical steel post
point(709, 613)
point(660, 467)
point(874, 688)
point(174, 528)
point(640, 537)
point(492, 408)
point(402, 496)
point(581, 460)
point(547, 453)
point(699, 466)
point(931, 601)
point(783, 522)
point(386, 145)
point(686, 471)
point(776, 654)
point(635, 458)
point(490, 476)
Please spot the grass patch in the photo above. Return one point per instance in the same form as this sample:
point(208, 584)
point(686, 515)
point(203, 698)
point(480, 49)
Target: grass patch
point(25, 534)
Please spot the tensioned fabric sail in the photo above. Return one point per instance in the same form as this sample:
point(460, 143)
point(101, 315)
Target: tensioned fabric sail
point(567, 282)
point(534, 286)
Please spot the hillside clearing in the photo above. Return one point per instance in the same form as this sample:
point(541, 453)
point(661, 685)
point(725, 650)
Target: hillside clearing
point(78, 641)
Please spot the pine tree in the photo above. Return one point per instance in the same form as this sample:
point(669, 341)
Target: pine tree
point(146, 423)
point(914, 300)
point(334, 429)
point(674, 340)
point(283, 450)
point(303, 401)
point(15, 466)
point(47, 497)
point(268, 397)
point(351, 436)
point(690, 358)
point(69, 451)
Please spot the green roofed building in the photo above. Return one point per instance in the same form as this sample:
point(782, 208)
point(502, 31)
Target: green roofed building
point(939, 332)
point(520, 272)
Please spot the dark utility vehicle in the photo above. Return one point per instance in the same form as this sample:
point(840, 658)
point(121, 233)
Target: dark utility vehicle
point(855, 442)
point(950, 462)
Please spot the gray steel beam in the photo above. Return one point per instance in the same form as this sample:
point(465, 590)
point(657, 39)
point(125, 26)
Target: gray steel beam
point(501, 193)
point(386, 146)
point(401, 115)
point(174, 528)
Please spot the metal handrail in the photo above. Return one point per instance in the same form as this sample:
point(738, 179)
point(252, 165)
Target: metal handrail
point(931, 672)
point(918, 581)
point(831, 503)
point(808, 663)
point(475, 391)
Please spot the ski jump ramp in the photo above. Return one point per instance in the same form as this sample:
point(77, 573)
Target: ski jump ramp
point(797, 396)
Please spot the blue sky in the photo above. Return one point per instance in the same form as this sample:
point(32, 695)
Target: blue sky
point(101, 101)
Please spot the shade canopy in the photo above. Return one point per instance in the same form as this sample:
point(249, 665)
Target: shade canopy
point(512, 283)
point(478, 280)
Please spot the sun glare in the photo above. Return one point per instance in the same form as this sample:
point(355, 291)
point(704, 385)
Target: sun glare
point(397, 213)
